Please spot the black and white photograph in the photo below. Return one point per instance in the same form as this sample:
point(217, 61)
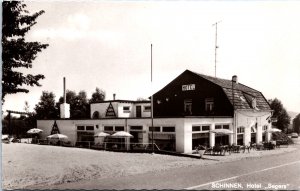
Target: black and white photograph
point(150, 95)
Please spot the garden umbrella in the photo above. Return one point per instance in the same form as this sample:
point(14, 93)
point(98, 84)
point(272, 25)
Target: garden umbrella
point(121, 134)
point(34, 131)
point(57, 136)
point(273, 130)
point(4, 137)
point(101, 134)
point(222, 131)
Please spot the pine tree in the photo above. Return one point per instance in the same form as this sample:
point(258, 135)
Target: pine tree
point(16, 52)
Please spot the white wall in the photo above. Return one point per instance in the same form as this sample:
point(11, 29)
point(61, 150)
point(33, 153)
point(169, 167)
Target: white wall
point(189, 122)
point(144, 113)
point(102, 107)
point(250, 117)
point(118, 107)
point(121, 112)
point(183, 127)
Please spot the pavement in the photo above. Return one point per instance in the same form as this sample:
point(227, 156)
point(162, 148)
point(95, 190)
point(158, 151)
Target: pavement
point(270, 172)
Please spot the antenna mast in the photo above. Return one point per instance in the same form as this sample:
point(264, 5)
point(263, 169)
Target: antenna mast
point(216, 46)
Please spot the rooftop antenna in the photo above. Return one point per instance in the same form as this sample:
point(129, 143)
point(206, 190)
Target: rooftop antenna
point(216, 46)
point(152, 105)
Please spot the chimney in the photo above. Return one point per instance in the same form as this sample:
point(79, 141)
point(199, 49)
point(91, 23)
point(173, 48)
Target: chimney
point(235, 79)
point(64, 107)
point(114, 96)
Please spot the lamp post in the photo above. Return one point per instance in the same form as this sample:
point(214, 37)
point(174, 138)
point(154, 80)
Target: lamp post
point(152, 128)
point(233, 81)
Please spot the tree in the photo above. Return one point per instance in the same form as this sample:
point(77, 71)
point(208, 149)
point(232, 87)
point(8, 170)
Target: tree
point(79, 107)
point(97, 96)
point(283, 119)
point(16, 52)
point(296, 124)
point(46, 108)
point(26, 107)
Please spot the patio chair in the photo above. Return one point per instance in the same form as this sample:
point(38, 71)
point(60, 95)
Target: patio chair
point(208, 150)
point(218, 149)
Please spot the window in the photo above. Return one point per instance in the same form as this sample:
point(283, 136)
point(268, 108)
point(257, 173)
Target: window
point(188, 106)
point(90, 128)
point(96, 115)
point(80, 128)
point(265, 127)
point(200, 128)
point(136, 128)
point(225, 126)
point(155, 129)
point(205, 128)
point(240, 130)
point(108, 128)
point(196, 128)
point(126, 109)
point(218, 127)
point(253, 129)
point(168, 129)
point(147, 108)
point(209, 104)
point(119, 128)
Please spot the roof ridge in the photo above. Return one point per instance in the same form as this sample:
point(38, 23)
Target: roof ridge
point(217, 78)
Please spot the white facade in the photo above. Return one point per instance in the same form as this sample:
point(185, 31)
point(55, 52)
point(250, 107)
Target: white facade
point(183, 133)
point(122, 109)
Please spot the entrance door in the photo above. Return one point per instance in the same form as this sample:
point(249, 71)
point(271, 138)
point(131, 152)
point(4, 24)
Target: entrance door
point(135, 138)
point(138, 111)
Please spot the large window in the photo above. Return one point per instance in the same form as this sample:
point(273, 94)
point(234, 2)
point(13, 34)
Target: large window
point(119, 128)
point(188, 106)
point(224, 126)
point(136, 128)
point(200, 128)
point(85, 128)
point(168, 129)
point(196, 128)
point(209, 104)
point(89, 128)
point(155, 129)
point(108, 128)
point(80, 128)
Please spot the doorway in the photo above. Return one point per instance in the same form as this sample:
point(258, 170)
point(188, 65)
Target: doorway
point(138, 111)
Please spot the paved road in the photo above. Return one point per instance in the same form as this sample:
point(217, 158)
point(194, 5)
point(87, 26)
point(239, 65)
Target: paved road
point(278, 171)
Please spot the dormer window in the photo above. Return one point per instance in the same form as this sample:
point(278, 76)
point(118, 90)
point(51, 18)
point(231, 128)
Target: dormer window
point(209, 104)
point(251, 101)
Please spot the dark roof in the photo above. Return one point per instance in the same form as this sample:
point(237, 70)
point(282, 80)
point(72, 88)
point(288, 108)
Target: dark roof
point(243, 95)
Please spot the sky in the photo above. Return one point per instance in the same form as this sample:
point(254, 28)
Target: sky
point(106, 44)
